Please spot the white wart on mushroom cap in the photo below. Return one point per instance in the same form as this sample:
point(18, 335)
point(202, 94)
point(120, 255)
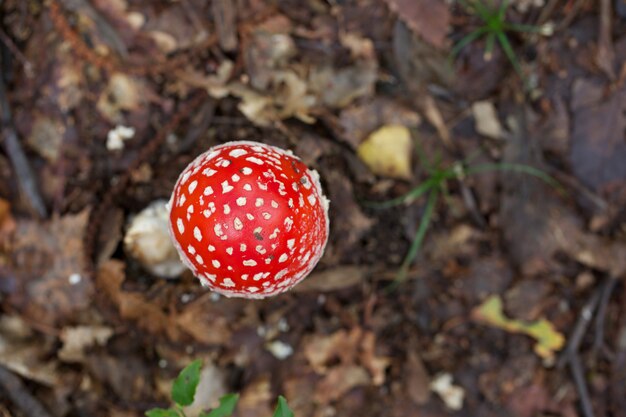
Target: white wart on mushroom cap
point(249, 219)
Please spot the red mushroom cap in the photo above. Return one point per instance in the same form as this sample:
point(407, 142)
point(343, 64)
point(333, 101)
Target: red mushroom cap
point(250, 220)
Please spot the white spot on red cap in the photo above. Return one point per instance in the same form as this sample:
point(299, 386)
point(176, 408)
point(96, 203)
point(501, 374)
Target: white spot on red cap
point(218, 230)
point(215, 263)
point(258, 202)
point(283, 257)
point(241, 201)
point(246, 170)
point(249, 262)
point(235, 153)
point(197, 234)
point(312, 199)
point(228, 282)
point(208, 190)
point(226, 187)
point(226, 209)
point(191, 250)
point(260, 249)
point(180, 226)
point(291, 243)
point(266, 215)
point(247, 187)
point(242, 247)
point(211, 248)
point(192, 186)
point(199, 260)
point(238, 223)
point(255, 160)
point(208, 172)
point(229, 251)
point(235, 178)
point(274, 204)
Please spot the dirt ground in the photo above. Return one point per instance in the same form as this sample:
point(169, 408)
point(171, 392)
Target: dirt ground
point(515, 304)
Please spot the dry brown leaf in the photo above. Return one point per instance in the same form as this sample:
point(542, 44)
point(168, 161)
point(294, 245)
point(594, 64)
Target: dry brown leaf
point(49, 265)
point(356, 347)
point(332, 280)
point(417, 379)
point(376, 365)
point(256, 398)
point(25, 354)
point(134, 306)
point(338, 381)
point(204, 323)
point(360, 120)
point(77, 339)
point(430, 19)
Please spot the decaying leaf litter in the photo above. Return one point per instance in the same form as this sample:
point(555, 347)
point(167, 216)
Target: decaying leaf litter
point(515, 303)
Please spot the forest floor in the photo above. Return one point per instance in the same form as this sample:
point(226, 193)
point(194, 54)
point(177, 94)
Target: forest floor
point(515, 304)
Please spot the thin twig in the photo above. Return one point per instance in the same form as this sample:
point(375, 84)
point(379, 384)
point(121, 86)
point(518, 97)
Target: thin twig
point(16, 391)
point(607, 290)
point(23, 172)
point(575, 339)
point(581, 385)
point(11, 46)
point(605, 57)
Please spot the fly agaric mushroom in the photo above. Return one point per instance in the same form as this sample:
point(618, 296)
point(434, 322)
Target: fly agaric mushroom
point(250, 220)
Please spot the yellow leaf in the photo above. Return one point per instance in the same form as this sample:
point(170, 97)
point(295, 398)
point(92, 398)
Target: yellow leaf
point(549, 340)
point(387, 151)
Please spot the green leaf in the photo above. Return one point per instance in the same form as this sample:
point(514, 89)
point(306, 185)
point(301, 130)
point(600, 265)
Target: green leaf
point(282, 409)
point(226, 407)
point(184, 388)
point(162, 412)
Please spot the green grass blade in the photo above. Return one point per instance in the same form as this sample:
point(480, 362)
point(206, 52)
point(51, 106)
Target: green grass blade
point(502, 10)
point(467, 39)
point(419, 236)
point(521, 168)
point(411, 195)
point(508, 50)
point(483, 12)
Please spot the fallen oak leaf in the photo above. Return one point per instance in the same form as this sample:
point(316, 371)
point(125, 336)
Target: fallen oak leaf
point(548, 339)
